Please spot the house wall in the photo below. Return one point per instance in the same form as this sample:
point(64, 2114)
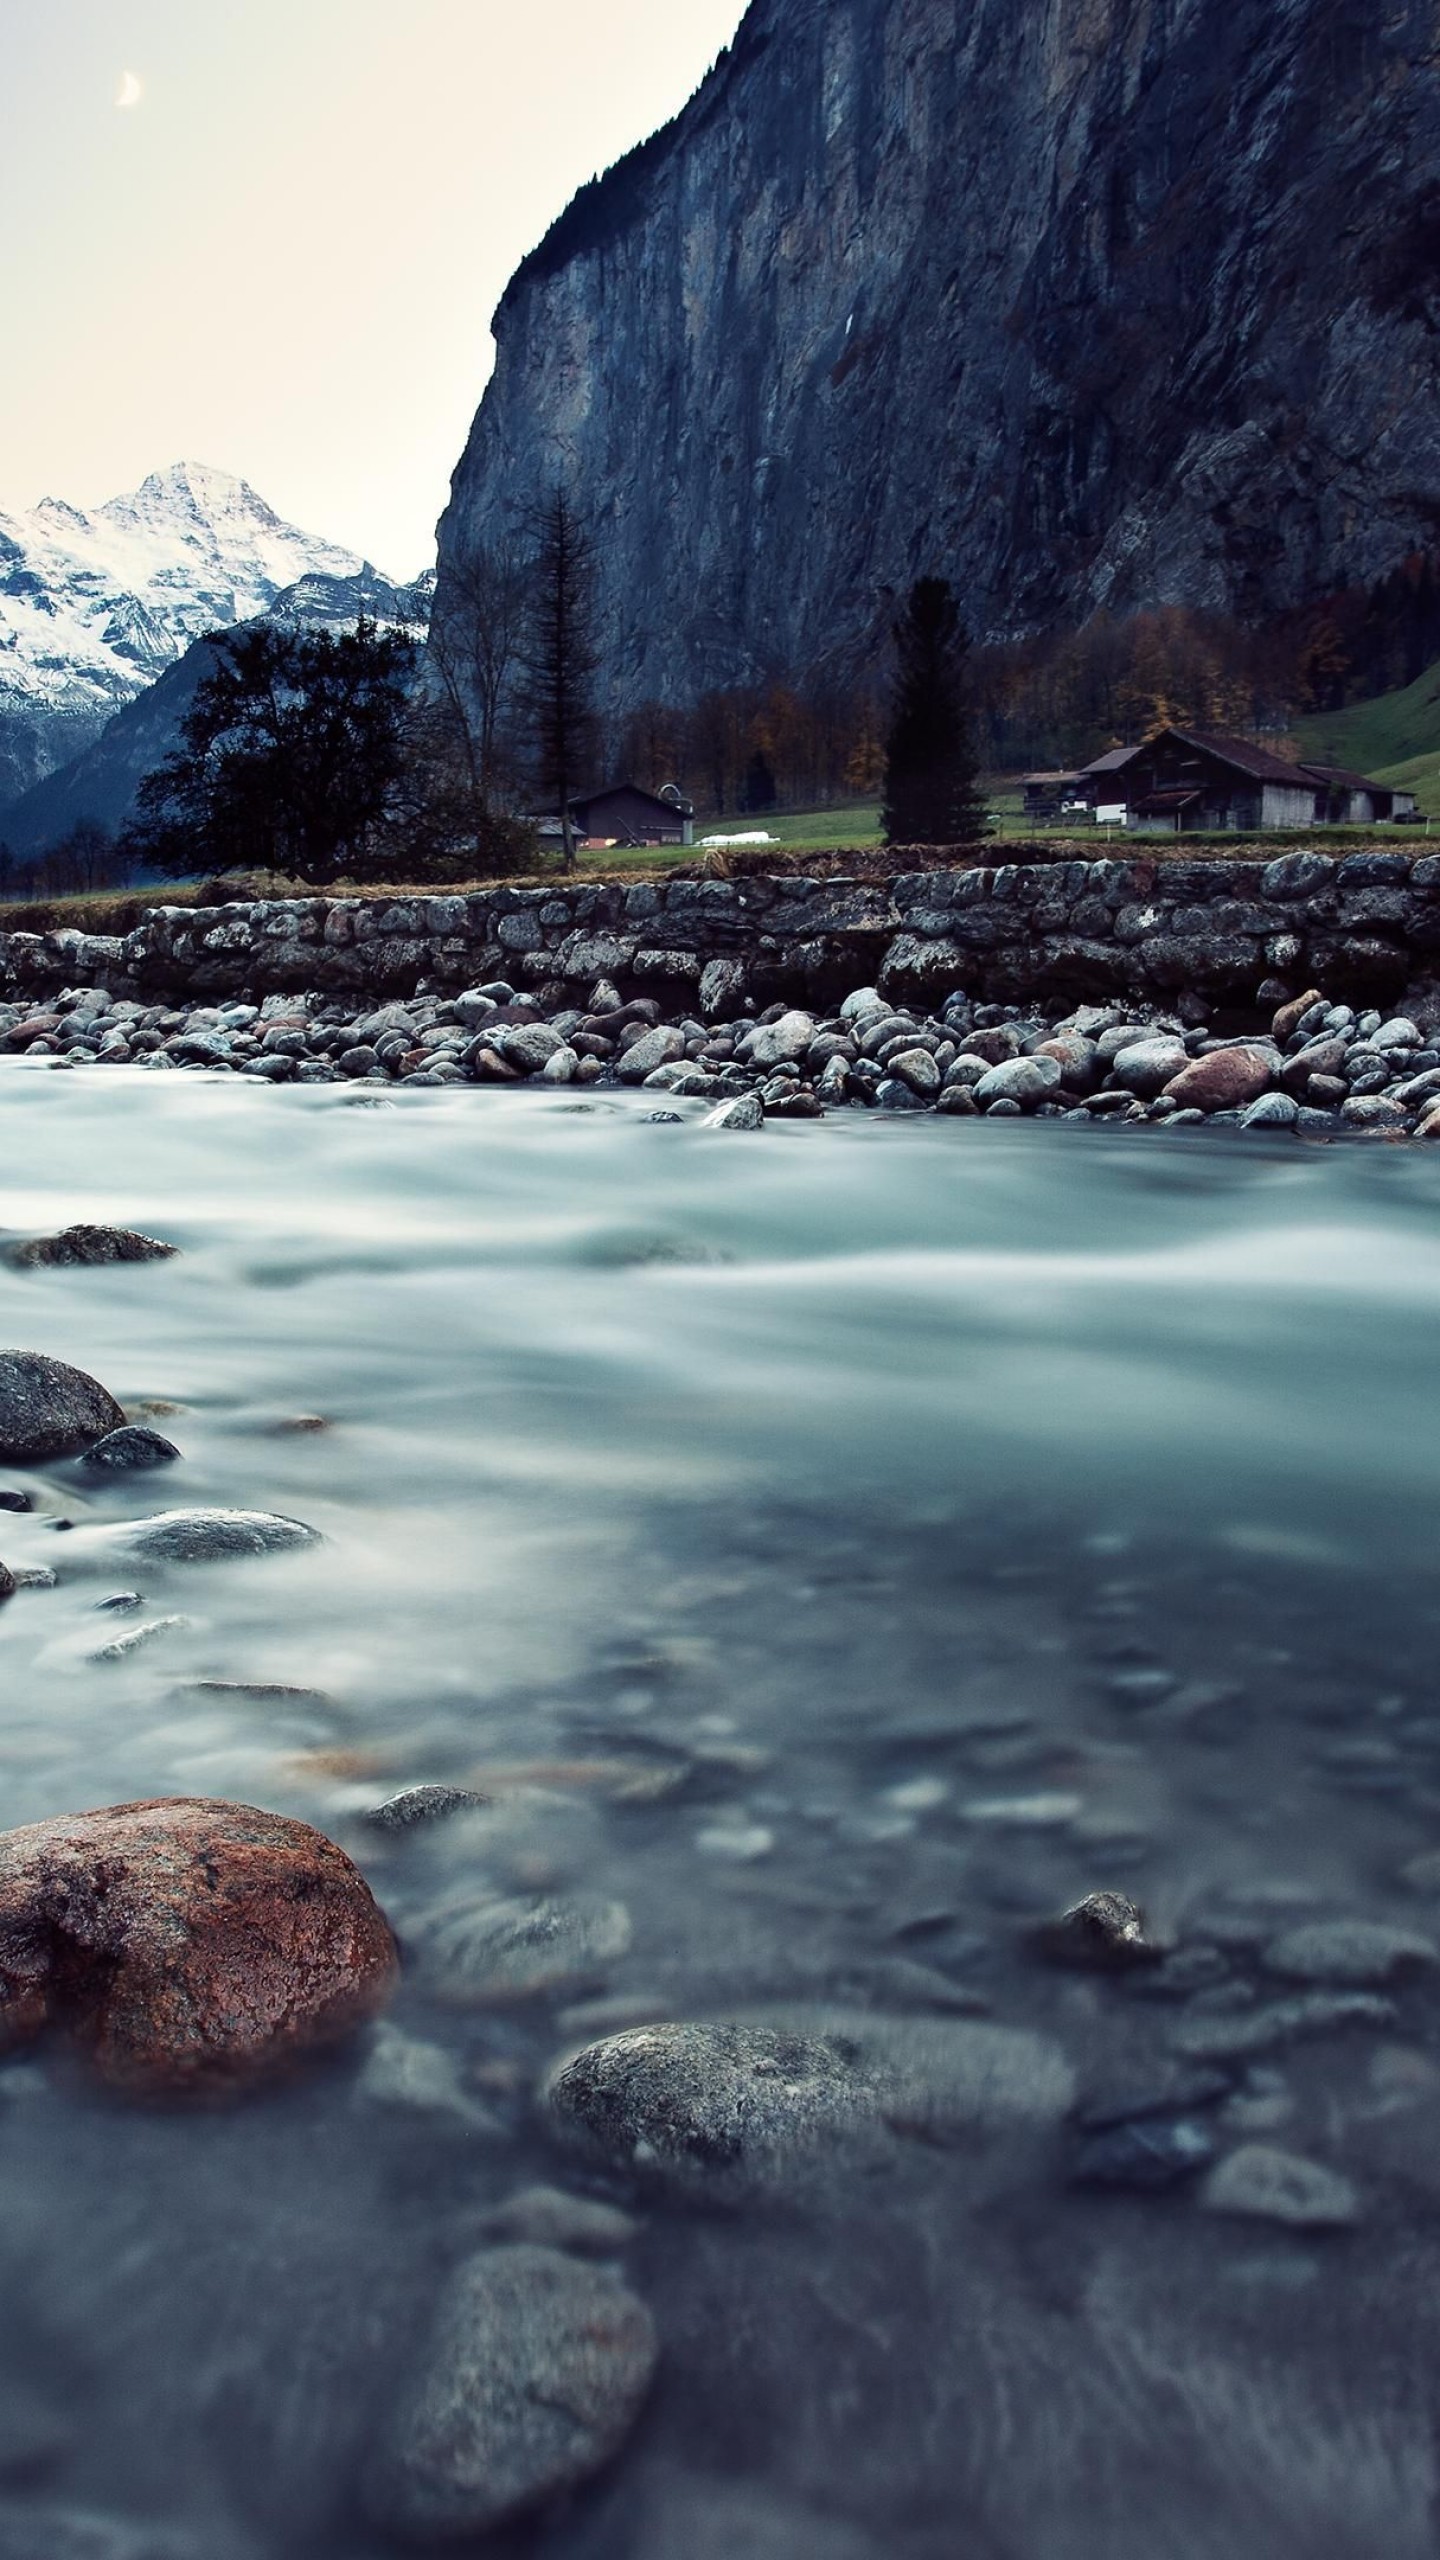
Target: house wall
point(1051, 928)
point(1284, 808)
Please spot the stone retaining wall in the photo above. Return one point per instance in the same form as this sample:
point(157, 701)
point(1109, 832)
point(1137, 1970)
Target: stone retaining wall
point(1361, 925)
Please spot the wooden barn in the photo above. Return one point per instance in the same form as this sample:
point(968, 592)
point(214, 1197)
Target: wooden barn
point(1189, 780)
point(624, 814)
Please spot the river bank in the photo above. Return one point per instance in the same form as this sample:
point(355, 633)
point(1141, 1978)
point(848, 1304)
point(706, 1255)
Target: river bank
point(1315, 1069)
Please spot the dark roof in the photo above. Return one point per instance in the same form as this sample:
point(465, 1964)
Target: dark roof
point(631, 791)
point(1337, 773)
point(1255, 762)
point(1178, 796)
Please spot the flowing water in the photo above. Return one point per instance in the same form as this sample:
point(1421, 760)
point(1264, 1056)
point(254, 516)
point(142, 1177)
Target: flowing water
point(842, 1548)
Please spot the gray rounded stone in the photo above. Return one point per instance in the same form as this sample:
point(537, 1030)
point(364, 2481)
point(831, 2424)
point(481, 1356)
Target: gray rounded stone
point(918, 1069)
point(418, 1806)
point(1146, 1066)
point(747, 1111)
point(82, 1247)
point(1359, 1952)
point(536, 2372)
point(200, 1537)
point(524, 1947)
point(1025, 1081)
point(734, 2107)
point(657, 1048)
point(49, 1410)
point(134, 1445)
point(1267, 2185)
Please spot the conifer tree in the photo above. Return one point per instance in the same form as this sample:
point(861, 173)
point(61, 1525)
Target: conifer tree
point(559, 658)
point(930, 767)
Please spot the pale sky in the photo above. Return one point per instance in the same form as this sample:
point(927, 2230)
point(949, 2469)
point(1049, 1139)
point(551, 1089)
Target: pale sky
point(282, 255)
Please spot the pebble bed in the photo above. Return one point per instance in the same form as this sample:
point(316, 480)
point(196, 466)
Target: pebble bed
point(1318, 1070)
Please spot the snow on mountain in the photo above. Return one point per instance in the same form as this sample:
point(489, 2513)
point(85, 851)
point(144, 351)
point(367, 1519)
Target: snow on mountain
point(95, 604)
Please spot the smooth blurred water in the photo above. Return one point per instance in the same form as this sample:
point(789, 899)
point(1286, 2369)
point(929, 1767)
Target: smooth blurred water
point(862, 1478)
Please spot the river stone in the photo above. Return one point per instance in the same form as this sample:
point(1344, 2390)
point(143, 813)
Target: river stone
point(1025, 1081)
point(1104, 1933)
point(49, 1410)
point(201, 1537)
point(420, 1805)
point(771, 1044)
point(185, 1945)
point(1224, 1081)
point(747, 1111)
point(1360, 1952)
point(722, 989)
point(1290, 1016)
point(732, 2108)
point(918, 1070)
point(1272, 1111)
point(1278, 2186)
point(524, 1947)
point(657, 1048)
point(8, 1585)
point(551, 2218)
point(134, 1445)
point(534, 2375)
point(1147, 1066)
point(81, 1246)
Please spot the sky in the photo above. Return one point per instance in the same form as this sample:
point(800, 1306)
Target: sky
point(269, 235)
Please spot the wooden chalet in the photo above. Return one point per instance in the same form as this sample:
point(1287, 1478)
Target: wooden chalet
point(624, 814)
point(1190, 780)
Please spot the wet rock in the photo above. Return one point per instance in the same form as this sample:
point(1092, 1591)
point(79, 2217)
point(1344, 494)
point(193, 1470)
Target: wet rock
point(203, 1537)
point(417, 1806)
point(413, 2077)
point(745, 1112)
point(1233, 2035)
point(8, 1584)
point(186, 1945)
point(1169, 2090)
point(11, 1499)
point(1224, 1081)
point(550, 2218)
point(1290, 1016)
point(49, 1410)
point(1106, 1933)
point(1149, 2156)
point(1362, 1952)
point(658, 1048)
point(1147, 1066)
point(1272, 1111)
point(522, 1948)
point(533, 2378)
point(1025, 1081)
point(133, 1445)
point(135, 1639)
point(728, 2109)
point(78, 1247)
point(1277, 2186)
point(1372, 1111)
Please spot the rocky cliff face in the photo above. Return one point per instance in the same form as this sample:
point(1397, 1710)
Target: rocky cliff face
point(1083, 302)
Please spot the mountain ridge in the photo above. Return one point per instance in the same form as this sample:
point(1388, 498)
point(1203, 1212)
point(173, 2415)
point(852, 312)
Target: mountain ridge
point(1110, 304)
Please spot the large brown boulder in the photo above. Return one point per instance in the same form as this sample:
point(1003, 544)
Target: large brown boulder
point(186, 1945)
point(1224, 1080)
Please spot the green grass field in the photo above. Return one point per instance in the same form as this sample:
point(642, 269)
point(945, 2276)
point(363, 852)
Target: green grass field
point(1396, 738)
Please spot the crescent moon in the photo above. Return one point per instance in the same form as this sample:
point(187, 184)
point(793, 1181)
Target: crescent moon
point(130, 91)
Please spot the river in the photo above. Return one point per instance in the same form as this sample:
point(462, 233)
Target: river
point(840, 1548)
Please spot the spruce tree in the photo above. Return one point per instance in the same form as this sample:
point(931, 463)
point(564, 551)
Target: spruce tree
point(930, 768)
point(559, 658)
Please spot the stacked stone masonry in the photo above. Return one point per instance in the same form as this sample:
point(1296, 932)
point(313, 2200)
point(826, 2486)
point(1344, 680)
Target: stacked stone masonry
point(1364, 924)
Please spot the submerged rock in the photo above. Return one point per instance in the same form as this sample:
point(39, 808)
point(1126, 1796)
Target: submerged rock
point(199, 1537)
point(186, 1945)
point(49, 1410)
point(133, 1445)
point(1104, 1933)
point(8, 1585)
point(730, 2108)
point(417, 1806)
point(746, 1112)
point(1278, 2186)
point(77, 1247)
point(534, 2376)
point(72, 2533)
point(522, 1948)
point(553, 2219)
point(1362, 1952)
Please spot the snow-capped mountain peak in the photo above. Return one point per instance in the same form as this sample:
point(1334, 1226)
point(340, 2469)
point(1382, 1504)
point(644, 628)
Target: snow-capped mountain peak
point(96, 603)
